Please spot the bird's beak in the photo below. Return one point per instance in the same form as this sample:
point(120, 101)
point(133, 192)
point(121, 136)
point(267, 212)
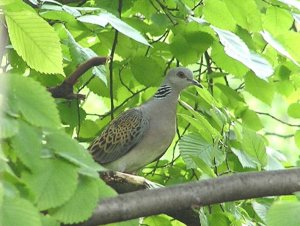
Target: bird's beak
point(196, 83)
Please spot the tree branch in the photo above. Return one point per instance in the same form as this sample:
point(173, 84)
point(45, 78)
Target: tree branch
point(223, 189)
point(277, 119)
point(65, 90)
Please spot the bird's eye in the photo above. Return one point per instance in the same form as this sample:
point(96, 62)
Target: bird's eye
point(180, 74)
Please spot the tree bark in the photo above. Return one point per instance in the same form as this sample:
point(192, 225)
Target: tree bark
point(223, 189)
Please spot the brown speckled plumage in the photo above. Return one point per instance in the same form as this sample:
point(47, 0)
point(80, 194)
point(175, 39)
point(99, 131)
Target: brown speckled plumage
point(119, 137)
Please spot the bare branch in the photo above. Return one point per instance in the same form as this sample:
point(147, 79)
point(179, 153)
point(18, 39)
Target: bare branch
point(223, 189)
point(65, 90)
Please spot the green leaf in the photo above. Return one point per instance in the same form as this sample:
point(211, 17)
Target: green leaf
point(277, 46)
point(80, 55)
point(33, 101)
point(88, 129)
point(189, 46)
point(8, 127)
point(206, 95)
point(236, 48)
point(276, 20)
point(294, 110)
point(259, 88)
point(66, 112)
point(253, 144)
point(289, 41)
point(293, 3)
point(52, 184)
point(19, 212)
point(216, 12)
point(35, 41)
point(104, 18)
point(70, 150)
point(157, 221)
point(146, 71)
point(246, 14)
point(245, 160)
point(49, 221)
point(86, 195)
point(194, 145)
point(260, 209)
point(28, 144)
point(275, 160)
point(284, 213)
point(203, 166)
point(251, 120)
point(297, 138)
point(227, 63)
point(199, 122)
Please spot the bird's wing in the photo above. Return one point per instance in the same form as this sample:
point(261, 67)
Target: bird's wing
point(120, 136)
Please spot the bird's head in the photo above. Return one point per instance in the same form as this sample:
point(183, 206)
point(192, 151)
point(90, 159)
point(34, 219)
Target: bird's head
point(180, 78)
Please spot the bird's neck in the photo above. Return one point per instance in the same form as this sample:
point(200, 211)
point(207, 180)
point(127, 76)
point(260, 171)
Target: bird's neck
point(166, 93)
point(163, 92)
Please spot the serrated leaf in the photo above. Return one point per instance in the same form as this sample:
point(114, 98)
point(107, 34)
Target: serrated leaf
point(86, 195)
point(275, 160)
point(251, 120)
point(27, 144)
point(199, 122)
point(33, 101)
point(260, 209)
point(8, 127)
point(276, 19)
point(259, 88)
point(226, 62)
point(52, 184)
point(235, 47)
point(70, 150)
point(284, 213)
point(245, 160)
point(146, 71)
point(246, 14)
point(35, 41)
point(80, 55)
point(194, 145)
point(253, 144)
point(88, 129)
point(157, 220)
point(203, 167)
point(216, 12)
point(104, 18)
point(49, 221)
point(187, 47)
point(19, 212)
point(206, 95)
point(277, 46)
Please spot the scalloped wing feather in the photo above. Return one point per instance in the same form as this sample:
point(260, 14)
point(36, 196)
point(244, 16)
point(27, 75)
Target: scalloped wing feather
point(120, 136)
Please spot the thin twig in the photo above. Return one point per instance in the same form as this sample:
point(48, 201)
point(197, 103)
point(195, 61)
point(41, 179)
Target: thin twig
point(277, 119)
point(209, 71)
point(113, 49)
point(279, 135)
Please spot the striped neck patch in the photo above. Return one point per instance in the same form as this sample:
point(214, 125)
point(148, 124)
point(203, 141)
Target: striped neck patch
point(163, 91)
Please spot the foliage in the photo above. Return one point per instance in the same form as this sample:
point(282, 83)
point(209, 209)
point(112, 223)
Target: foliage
point(245, 53)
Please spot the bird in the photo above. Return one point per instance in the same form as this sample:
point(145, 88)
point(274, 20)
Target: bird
point(141, 135)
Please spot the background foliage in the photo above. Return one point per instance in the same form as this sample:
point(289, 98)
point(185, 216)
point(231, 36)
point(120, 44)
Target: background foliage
point(246, 54)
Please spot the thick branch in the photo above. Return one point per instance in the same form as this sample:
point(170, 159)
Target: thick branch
point(223, 189)
point(65, 90)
